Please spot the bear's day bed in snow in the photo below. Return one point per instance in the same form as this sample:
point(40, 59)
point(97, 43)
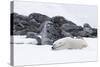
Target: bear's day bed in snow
point(69, 43)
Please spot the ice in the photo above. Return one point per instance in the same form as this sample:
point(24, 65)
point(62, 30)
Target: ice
point(29, 54)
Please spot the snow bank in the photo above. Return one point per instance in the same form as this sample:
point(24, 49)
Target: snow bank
point(43, 54)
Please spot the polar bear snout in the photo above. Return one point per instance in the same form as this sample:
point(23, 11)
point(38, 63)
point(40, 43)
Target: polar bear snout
point(53, 48)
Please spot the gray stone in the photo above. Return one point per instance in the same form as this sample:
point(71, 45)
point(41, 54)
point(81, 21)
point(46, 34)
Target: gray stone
point(94, 34)
point(21, 32)
point(60, 20)
point(71, 30)
point(66, 34)
point(84, 34)
point(34, 35)
point(40, 18)
point(87, 25)
point(46, 36)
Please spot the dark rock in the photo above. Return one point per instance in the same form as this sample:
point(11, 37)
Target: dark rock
point(87, 25)
point(31, 34)
point(60, 20)
point(83, 34)
point(34, 35)
point(18, 23)
point(88, 31)
point(70, 30)
point(21, 22)
point(66, 34)
point(94, 34)
point(40, 18)
point(50, 29)
point(39, 21)
point(34, 22)
point(46, 35)
point(33, 26)
point(49, 33)
point(21, 32)
point(87, 28)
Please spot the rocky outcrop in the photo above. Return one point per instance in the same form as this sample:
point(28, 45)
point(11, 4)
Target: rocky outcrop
point(31, 23)
point(94, 34)
point(60, 20)
point(40, 18)
point(47, 33)
point(50, 29)
point(35, 36)
point(19, 24)
point(69, 30)
point(87, 31)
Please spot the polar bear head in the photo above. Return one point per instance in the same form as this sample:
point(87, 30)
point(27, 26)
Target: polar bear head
point(69, 43)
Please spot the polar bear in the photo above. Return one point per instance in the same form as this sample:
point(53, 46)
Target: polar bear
point(69, 43)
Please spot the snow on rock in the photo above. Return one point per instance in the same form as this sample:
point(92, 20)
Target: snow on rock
point(23, 40)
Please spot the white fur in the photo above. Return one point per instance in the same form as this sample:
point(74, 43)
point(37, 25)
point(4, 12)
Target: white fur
point(69, 43)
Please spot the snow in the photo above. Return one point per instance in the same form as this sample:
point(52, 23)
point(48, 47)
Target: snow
point(27, 53)
point(23, 40)
point(30, 54)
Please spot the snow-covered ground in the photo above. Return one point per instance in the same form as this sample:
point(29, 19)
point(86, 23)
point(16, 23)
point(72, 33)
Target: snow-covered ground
point(29, 54)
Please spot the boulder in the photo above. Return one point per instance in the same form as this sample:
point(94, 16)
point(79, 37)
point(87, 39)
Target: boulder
point(83, 34)
point(87, 28)
point(71, 30)
point(87, 25)
point(94, 34)
point(18, 23)
point(35, 36)
point(46, 33)
point(40, 18)
point(33, 26)
point(49, 33)
point(66, 34)
point(31, 34)
point(60, 20)
point(21, 32)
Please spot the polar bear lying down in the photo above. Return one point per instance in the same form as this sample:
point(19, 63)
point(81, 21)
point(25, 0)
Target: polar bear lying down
point(69, 43)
